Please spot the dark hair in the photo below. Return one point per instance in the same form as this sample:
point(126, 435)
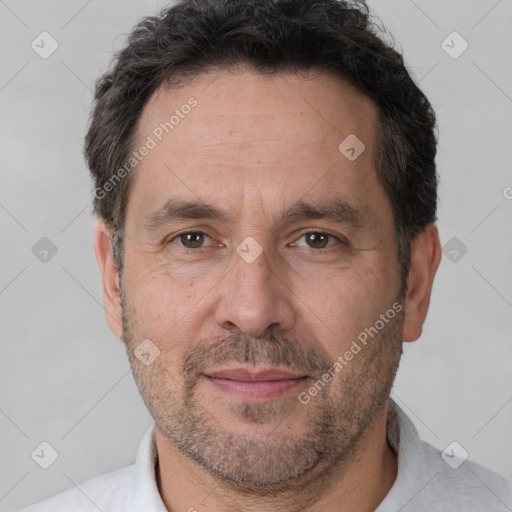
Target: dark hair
point(271, 36)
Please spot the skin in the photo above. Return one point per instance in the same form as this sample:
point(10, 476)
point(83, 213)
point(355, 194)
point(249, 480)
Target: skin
point(253, 146)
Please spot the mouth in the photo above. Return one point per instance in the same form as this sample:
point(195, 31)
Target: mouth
point(260, 385)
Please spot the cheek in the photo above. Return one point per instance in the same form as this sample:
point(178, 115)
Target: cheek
point(153, 295)
point(341, 304)
point(163, 303)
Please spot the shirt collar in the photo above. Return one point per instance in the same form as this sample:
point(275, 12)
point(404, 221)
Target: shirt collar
point(145, 494)
point(412, 474)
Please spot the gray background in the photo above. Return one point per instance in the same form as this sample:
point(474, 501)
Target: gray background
point(65, 378)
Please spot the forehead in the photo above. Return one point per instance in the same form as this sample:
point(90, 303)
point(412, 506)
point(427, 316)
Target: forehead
point(241, 136)
point(326, 107)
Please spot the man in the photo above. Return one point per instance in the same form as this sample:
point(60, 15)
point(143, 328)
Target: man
point(266, 190)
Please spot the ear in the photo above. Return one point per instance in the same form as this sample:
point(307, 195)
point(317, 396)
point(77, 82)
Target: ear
point(425, 259)
point(109, 277)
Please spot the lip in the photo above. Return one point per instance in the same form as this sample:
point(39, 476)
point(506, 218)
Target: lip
point(258, 385)
point(243, 374)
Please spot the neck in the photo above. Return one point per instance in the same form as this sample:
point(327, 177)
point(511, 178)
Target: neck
point(359, 483)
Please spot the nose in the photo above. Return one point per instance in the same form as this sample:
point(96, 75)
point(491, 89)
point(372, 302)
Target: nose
point(254, 298)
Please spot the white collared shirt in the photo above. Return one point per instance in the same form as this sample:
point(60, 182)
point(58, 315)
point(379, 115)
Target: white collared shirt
point(425, 481)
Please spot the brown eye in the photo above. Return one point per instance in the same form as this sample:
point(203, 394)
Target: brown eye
point(191, 239)
point(317, 239)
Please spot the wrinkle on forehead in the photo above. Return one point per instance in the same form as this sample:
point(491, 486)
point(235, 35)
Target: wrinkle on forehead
point(245, 97)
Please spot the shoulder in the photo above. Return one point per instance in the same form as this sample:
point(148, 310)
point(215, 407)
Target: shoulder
point(105, 492)
point(464, 484)
point(429, 480)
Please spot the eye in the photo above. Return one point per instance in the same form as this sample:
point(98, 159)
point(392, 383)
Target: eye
point(190, 239)
point(317, 239)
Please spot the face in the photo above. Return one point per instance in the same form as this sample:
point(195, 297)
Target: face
point(260, 262)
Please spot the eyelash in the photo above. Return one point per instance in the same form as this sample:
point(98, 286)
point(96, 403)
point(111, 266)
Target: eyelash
point(303, 233)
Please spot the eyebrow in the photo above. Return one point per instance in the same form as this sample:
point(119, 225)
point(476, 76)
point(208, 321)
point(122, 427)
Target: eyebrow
point(177, 209)
point(336, 210)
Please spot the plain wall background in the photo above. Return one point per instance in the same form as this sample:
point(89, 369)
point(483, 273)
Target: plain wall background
point(65, 378)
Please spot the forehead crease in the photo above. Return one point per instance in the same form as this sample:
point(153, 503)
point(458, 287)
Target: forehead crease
point(335, 210)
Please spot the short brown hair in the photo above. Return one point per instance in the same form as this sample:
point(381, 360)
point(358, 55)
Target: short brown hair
point(272, 36)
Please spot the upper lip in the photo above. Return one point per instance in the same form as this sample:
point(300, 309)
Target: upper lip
point(243, 374)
